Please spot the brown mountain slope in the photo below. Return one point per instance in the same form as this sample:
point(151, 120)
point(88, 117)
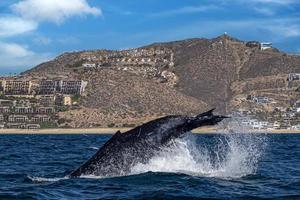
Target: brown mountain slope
point(208, 68)
point(123, 98)
point(205, 69)
point(208, 73)
point(266, 63)
point(55, 68)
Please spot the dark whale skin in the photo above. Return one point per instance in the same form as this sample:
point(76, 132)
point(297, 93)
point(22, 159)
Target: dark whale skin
point(124, 150)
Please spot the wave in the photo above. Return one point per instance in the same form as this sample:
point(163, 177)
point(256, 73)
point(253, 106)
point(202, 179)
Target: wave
point(44, 180)
point(93, 148)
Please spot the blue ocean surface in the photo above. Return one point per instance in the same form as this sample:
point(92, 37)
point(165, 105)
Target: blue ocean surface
point(222, 166)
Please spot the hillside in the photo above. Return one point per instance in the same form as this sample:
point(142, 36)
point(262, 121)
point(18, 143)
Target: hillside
point(181, 77)
point(122, 98)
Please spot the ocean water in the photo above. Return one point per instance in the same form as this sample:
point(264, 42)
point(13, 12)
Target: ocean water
point(222, 166)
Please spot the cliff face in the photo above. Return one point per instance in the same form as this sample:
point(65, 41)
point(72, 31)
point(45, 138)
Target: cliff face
point(186, 77)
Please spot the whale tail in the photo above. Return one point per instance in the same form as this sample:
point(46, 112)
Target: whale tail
point(207, 113)
point(207, 119)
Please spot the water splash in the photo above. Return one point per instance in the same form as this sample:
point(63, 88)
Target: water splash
point(232, 154)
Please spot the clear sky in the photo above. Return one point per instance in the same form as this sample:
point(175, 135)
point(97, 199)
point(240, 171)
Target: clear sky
point(32, 31)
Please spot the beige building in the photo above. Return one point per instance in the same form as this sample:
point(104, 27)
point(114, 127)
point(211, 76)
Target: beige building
point(16, 125)
point(67, 100)
point(16, 87)
point(71, 87)
point(17, 118)
point(40, 118)
point(45, 110)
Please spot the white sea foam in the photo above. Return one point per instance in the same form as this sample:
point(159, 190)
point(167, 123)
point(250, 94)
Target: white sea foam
point(231, 155)
point(44, 180)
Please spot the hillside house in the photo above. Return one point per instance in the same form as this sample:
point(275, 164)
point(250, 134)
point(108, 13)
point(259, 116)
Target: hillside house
point(67, 101)
point(4, 102)
point(46, 100)
point(280, 109)
point(89, 65)
point(265, 45)
point(255, 124)
point(17, 118)
point(4, 109)
point(253, 44)
point(16, 125)
point(295, 127)
point(293, 76)
point(24, 110)
point(297, 106)
point(261, 100)
point(33, 126)
point(243, 112)
point(46, 110)
point(40, 118)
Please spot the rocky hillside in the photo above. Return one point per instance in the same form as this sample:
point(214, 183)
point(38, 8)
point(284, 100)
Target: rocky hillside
point(122, 98)
point(186, 77)
point(209, 69)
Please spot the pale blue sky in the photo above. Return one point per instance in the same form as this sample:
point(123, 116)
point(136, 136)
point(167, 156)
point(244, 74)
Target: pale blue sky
point(32, 31)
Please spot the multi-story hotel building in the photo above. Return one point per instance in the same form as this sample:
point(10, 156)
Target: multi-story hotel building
point(62, 87)
point(16, 87)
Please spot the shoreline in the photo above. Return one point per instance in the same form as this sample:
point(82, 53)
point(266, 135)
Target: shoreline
point(104, 131)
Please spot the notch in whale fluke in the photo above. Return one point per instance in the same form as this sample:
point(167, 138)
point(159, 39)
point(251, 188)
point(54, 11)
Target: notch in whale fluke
point(214, 118)
point(210, 113)
point(207, 113)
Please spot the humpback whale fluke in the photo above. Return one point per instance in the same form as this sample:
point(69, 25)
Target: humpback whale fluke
point(138, 145)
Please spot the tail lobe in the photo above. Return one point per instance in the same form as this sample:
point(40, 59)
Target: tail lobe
point(207, 113)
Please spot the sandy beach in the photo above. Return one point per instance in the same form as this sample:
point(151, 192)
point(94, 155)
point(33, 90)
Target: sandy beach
point(204, 130)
